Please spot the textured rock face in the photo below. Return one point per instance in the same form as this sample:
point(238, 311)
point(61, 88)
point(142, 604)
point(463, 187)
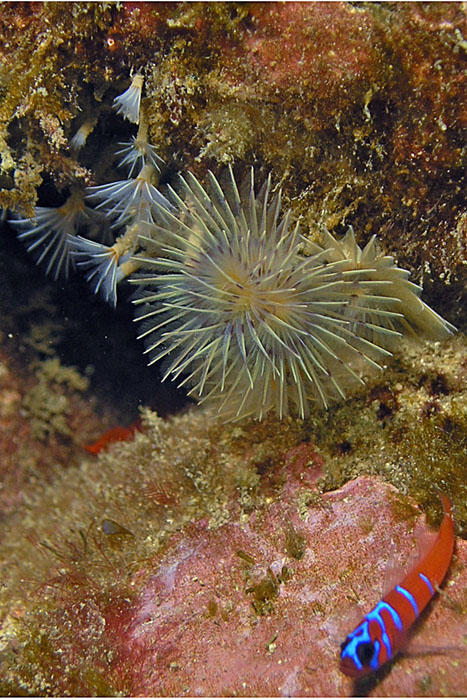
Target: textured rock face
point(357, 111)
point(260, 608)
point(240, 579)
point(41, 415)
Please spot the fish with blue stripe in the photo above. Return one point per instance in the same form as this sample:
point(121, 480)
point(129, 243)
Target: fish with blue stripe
point(383, 631)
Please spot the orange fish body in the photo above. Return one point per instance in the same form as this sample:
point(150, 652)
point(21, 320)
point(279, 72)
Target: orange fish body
point(118, 434)
point(383, 631)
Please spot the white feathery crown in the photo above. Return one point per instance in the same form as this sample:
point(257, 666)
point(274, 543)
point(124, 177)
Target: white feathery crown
point(128, 103)
point(249, 322)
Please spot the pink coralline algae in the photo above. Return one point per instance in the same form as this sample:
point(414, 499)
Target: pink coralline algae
point(289, 36)
point(235, 611)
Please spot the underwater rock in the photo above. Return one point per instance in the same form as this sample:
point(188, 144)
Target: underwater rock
point(167, 563)
point(233, 611)
point(357, 109)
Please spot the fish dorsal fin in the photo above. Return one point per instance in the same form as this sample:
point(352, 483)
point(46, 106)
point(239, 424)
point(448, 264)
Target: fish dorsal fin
point(425, 541)
point(396, 568)
point(395, 571)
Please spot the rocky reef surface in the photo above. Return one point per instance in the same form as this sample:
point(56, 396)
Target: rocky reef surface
point(201, 558)
point(356, 108)
point(259, 608)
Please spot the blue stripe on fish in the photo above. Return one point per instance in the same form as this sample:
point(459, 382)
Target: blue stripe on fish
point(376, 614)
point(410, 598)
point(426, 580)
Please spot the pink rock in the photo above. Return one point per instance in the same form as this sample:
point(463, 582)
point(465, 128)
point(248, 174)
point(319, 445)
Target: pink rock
point(222, 616)
point(311, 42)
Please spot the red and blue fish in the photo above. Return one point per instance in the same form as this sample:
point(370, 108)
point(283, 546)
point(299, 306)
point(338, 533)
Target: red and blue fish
point(383, 631)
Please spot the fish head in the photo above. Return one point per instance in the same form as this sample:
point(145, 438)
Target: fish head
point(359, 653)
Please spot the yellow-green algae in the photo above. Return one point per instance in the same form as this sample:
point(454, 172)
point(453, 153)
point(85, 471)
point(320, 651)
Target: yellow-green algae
point(419, 443)
point(365, 129)
point(46, 405)
point(40, 89)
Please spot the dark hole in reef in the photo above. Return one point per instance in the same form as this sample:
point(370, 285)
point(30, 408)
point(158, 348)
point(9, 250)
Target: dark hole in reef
point(436, 386)
point(49, 196)
point(121, 374)
point(344, 447)
point(439, 385)
point(91, 332)
point(265, 466)
point(384, 411)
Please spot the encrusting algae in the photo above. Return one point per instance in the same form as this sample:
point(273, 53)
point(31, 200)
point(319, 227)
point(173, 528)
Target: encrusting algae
point(254, 171)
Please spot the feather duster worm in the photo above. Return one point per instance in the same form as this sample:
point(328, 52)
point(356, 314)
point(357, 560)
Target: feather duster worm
point(128, 103)
point(133, 199)
point(249, 321)
point(48, 234)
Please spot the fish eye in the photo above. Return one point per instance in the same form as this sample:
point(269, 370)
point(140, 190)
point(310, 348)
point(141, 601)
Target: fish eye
point(365, 651)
